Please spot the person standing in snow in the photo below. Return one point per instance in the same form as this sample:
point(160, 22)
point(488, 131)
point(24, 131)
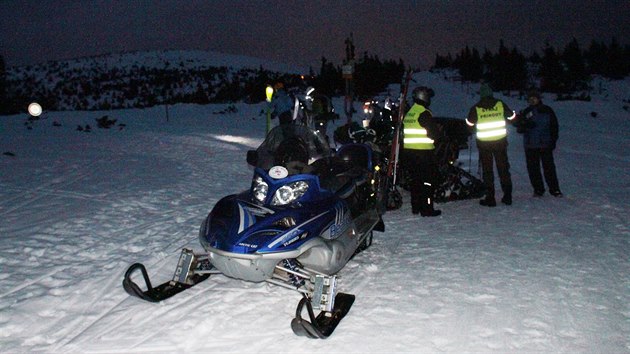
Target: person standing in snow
point(281, 104)
point(418, 155)
point(489, 117)
point(539, 125)
point(320, 111)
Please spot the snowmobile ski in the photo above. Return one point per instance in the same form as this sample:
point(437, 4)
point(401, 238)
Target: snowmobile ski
point(184, 278)
point(324, 324)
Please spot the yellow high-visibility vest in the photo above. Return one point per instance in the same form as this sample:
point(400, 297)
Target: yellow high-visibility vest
point(416, 137)
point(491, 123)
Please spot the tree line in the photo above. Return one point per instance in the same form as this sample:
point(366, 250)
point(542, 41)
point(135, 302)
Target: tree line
point(562, 71)
point(93, 85)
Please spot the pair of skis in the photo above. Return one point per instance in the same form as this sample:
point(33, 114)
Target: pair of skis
point(394, 198)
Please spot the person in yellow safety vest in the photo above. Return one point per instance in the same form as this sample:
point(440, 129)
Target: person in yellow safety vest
point(489, 117)
point(418, 156)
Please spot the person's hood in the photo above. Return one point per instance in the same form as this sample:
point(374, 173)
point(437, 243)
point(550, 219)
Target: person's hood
point(485, 91)
point(487, 102)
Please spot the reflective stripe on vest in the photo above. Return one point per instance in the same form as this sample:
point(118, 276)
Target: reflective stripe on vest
point(491, 123)
point(416, 137)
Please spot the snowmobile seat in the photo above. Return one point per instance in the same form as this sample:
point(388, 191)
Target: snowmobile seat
point(336, 175)
point(356, 155)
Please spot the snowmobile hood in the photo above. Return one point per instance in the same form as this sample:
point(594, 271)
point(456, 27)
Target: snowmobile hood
point(238, 225)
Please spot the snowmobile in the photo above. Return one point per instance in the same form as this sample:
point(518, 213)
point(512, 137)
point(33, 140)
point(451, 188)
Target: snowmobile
point(455, 183)
point(308, 211)
point(377, 130)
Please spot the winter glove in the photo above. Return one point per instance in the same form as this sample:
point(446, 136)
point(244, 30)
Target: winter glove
point(526, 125)
point(529, 124)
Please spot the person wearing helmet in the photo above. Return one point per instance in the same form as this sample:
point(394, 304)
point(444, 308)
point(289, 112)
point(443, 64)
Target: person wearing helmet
point(281, 104)
point(418, 157)
point(489, 116)
point(320, 111)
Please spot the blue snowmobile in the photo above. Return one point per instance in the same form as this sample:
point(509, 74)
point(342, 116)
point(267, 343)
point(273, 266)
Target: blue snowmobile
point(308, 211)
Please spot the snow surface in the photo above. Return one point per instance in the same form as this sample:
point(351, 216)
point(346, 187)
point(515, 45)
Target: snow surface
point(76, 209)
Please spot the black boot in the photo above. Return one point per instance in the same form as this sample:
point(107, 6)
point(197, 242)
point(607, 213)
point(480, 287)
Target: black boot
point(507, 199)
point(489, 202)
point(426, 209)
point(431, 212)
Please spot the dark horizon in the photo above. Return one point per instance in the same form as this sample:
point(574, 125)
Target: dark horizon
point(301, 32)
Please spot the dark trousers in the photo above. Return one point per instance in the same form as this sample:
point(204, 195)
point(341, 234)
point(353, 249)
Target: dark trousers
point(488, 155)
point(285, 118)
point(534, 158)
point(423, 171)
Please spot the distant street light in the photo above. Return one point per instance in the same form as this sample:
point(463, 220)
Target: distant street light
point(34, 109)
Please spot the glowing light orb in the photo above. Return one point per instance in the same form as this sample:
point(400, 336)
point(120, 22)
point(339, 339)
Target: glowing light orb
point(269, 93)
point(34, 109)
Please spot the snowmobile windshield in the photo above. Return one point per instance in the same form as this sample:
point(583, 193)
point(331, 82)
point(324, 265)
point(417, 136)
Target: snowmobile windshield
point(292, 143)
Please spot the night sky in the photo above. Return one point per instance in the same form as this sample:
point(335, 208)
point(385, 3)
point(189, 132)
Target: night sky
point(301, 32)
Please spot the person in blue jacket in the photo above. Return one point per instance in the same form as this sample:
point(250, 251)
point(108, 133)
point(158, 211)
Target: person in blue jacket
point(281, 104)
point(539, 125)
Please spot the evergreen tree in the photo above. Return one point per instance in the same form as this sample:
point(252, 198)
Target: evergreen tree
point(508, 69)
point(618, 66)
point(518, 65)
point(443, 62)
point(551, 70)
point(490, 74)
point(535, 58)
point(469, 64)
point(329, 81)
point(595, 58)
point(3, 88)
point(575, 77)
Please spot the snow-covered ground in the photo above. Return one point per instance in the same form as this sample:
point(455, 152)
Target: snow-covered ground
point(76, 209)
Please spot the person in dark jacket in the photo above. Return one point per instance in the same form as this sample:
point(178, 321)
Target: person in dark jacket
point(281, 104)
point(539, 125)
point(489, 117)
point(418, 154)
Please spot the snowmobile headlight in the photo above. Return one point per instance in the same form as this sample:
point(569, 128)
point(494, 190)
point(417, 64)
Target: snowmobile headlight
point(289, 193)
point(260, 189)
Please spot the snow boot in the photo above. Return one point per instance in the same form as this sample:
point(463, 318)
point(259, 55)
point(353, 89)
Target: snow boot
point(489, 202)
point(429, 213)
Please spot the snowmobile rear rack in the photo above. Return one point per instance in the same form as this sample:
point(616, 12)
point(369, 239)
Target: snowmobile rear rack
point(186, 276)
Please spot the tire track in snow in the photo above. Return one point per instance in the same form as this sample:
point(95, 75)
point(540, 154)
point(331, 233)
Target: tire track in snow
point(39, 192)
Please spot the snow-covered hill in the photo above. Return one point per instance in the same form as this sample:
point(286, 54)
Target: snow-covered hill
point(141, 79)
point(76, 209)
point(191, 59)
